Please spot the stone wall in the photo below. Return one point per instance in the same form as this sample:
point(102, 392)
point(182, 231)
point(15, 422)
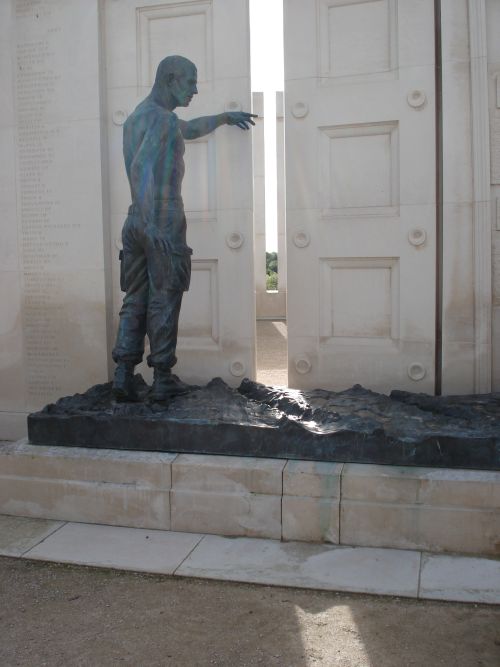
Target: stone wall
point(53, 337)
point(55, 256)
point(493, 9)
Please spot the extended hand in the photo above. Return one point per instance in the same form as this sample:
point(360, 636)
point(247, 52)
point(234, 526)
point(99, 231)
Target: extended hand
point(240, 118)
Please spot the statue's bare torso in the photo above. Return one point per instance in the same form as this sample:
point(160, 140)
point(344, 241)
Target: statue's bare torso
point(160, 128)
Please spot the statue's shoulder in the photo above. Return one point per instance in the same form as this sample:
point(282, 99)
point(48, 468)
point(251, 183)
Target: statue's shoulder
point(148, 112)
point(168, 118)
point(153, 119)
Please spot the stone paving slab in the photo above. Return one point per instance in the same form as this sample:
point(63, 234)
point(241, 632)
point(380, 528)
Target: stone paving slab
point(121, 548)
point(460, 578)
point(19, 534)
point(379, 571)
point(295, 564)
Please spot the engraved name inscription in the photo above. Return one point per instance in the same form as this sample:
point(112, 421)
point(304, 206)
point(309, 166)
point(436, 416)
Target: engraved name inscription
point(43, 238)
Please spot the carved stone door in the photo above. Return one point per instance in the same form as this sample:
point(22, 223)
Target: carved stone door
point(217, 324)
point(360, 193)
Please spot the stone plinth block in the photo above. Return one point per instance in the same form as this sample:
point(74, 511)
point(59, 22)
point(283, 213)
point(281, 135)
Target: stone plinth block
point(418, 508)
point(430, 509)
point(88, 485)
point(227, 495)
point(311, 501)
point(355, 425)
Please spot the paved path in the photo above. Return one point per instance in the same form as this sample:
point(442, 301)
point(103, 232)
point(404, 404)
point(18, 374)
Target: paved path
point(410, 574)
point(272, 366)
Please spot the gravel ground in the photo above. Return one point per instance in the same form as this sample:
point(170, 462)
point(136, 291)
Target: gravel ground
point(60, 615)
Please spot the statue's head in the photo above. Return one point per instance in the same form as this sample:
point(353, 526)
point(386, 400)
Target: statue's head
point(179, 76)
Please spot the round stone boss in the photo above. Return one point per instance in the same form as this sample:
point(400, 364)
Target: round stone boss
point(302, 364)
point(237, 368)
point(235, 240)
point(416, 371)
point(302, 239)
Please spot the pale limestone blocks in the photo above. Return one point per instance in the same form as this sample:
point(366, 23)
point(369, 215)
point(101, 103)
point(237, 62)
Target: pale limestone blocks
point(227, 495)
point(86, 485)
point(289, 500)
point(421, 508)
point(311, 501)
point(428, 509)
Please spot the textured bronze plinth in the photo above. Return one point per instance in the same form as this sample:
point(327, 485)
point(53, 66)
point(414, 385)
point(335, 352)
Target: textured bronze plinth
point(355, 425)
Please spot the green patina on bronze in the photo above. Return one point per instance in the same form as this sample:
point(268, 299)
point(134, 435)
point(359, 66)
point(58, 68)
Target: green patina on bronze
point(156, 260)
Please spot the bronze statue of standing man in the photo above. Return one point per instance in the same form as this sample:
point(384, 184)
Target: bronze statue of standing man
point(156, 260)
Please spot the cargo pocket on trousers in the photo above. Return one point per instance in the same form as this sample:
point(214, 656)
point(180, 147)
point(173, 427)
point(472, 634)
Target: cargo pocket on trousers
point(122, 272)
point(180, 272)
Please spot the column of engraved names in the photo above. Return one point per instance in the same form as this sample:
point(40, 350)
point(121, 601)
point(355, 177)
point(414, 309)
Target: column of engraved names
point(42, 237)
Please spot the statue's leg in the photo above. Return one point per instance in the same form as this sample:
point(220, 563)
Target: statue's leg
point(168, 279)
point(162, 325)
point(129, 347)
point(163, 343)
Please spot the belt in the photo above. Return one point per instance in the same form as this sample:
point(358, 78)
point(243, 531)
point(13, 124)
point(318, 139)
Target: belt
point(174, 204)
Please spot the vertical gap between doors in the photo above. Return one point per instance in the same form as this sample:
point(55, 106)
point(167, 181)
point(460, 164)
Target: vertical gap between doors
point(439, 199)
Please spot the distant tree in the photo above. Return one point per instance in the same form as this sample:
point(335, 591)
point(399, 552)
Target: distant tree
point(272, 281)
point(271, 262)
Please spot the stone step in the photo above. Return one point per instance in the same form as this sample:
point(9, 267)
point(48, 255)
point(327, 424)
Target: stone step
point(410, 573)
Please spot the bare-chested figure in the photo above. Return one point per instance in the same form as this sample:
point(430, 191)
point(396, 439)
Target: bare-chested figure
point(156, 260)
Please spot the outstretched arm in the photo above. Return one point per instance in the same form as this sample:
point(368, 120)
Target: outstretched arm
point(198, 127)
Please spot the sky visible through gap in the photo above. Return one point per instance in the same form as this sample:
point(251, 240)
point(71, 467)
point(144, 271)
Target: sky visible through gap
point(266, 45)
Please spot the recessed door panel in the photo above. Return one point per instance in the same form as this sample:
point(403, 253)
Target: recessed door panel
point(360, 170)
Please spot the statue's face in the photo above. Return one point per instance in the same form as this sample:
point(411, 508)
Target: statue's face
point(183, 87)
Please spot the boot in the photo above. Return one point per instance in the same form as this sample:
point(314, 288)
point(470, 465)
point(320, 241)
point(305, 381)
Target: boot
point(166, 385)
point(123, 383)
